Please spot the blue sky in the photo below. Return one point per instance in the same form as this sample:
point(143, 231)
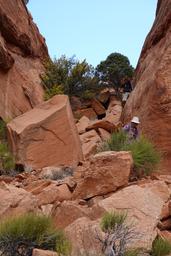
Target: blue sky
point(92, 29)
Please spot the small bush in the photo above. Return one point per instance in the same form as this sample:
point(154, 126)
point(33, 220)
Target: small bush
point(111, 219)
point(161, 247)
point(6, 158)
point(118, 234)
point(145, 156)
point(117, 142)
point(20, 235)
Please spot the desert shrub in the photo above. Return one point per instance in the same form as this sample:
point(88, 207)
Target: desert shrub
point(111, 219)
point(20, 235)
point(161, 247)
point(6, 158)
point(145, 156)
point(118, 234)
point(116, 142)
point(69, 76)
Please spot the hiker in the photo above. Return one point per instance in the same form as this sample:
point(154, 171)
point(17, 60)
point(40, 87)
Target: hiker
point(127, 89)
point(132, 128)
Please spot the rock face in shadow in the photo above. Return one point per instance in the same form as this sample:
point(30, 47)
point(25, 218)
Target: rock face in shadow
point(46, 135)
point(151, 98)
point(22, 51)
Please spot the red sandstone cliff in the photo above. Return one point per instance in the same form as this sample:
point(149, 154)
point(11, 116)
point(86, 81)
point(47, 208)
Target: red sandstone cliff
point(151, 98)
point(22, 50)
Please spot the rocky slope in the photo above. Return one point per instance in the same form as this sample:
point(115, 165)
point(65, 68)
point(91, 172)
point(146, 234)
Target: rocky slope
point(151, 98)
point(22, 50)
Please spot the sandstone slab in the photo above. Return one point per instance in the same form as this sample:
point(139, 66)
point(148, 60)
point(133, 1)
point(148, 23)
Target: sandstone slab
point(106, 172)
point(46, 135)
point(88, 112)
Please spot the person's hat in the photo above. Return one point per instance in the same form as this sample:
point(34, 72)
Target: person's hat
point(135, 120)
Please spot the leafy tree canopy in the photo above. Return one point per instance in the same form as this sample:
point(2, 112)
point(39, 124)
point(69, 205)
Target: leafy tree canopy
point(69, 76)
point(114, 69)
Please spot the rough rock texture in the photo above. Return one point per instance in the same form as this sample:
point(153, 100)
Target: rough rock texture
point(46, 135)
point(82, 124)
point(90, 141)
point(88, 112)
point(15, 201)
point(83, 235)
point(54, 193)
point(98, 107)
point(143, 206)
point(22, 50)
point(114, 111)
point(151, 98)
point(67, 212)
point(106, 172)
point(104, 134)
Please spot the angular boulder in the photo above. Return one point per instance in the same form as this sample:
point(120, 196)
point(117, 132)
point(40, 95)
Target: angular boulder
point(98, 107)
point(104, 124)
point(15, 201)
point(114, 111)
point(82, 124)
point(88, 112)
point(46, 135)
point(106, 172)
point(90, 141)
point(53, 193)
point(151, 97)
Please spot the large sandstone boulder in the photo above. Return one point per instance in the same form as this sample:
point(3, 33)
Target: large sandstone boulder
point(46, 135)
point(150, 99)
point(106, 172)
point(22, 51)
point(143, 206)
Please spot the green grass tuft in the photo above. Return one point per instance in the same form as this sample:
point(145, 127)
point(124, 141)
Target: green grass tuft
point(112, 219)
point(161, 247)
